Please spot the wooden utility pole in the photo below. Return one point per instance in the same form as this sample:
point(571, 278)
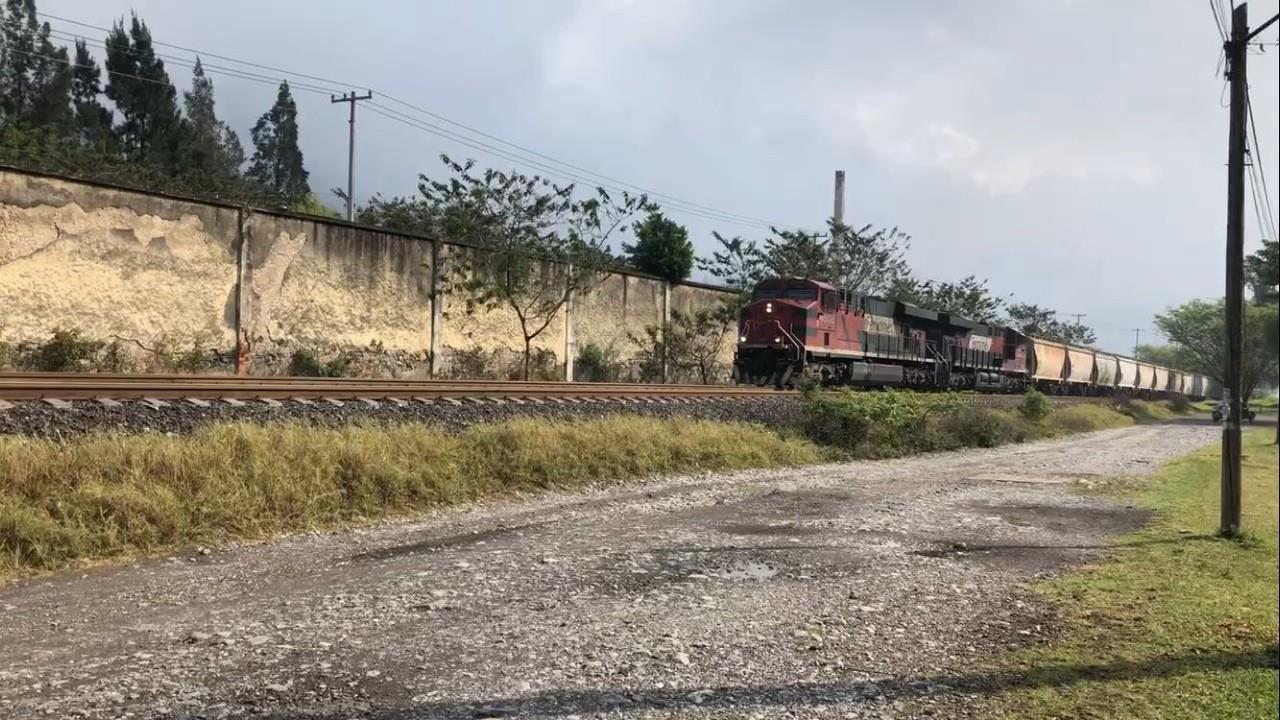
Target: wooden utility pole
point(1137, 334)
point(351, 98)
point(838, 210)
point(1236, 52)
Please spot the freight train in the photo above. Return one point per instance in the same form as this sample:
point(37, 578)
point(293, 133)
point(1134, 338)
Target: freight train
point(796, 330)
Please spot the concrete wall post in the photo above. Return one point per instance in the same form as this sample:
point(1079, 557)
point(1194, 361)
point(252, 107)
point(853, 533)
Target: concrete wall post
point(568, 331)
point(439, 256)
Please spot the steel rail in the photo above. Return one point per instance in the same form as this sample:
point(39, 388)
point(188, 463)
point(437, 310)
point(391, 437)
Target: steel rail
point(87, 386)
point(37, 386)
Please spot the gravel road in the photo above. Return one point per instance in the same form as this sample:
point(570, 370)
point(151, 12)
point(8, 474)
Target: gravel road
point(858, 590)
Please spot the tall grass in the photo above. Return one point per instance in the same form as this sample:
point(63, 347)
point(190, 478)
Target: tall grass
point(109, 495)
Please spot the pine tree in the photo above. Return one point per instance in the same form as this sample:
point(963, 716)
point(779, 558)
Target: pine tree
point(50, 85)
point(213, 146)
point(93, 120)
point(18, 47)
point(277, 159)
point(144, 95)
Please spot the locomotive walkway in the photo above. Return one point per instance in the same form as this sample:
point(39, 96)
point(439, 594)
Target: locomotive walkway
point(857, 590)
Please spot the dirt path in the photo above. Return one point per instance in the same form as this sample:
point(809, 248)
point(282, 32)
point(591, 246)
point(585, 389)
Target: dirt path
point(857, 590)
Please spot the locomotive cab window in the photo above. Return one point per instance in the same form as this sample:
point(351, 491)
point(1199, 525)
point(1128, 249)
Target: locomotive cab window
point(829, 301)
point(802, 294)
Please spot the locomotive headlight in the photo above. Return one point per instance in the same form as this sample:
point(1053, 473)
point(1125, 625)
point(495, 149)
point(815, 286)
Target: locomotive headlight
point(768, 307)
point(777, 339)
point(742, 338)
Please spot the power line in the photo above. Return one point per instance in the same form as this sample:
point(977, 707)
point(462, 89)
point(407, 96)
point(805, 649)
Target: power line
point(686, 206)
point(188, 63)
point(1257, 167)
point(438, 131)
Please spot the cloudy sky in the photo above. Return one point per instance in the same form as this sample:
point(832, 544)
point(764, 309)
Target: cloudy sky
point(1070, 151)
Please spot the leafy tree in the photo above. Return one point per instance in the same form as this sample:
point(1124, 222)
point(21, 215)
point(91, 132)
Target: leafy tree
point(213, 147)
point(798, 254)
point(1263, 269)
point(864, 260)
point(277, 158)
point(539, 244)
point(1197, 331)
point(141, 90)
point(410, 215)
point(688, 345)
point(738, 264)
point(970, 298)
point(92, 119)
point(1032, 319)
point(662, 248)
point(867, 260)
point(1044, 323)
point(1170, 356)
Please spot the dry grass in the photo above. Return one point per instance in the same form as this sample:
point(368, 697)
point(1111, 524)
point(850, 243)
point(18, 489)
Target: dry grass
point(110, 495)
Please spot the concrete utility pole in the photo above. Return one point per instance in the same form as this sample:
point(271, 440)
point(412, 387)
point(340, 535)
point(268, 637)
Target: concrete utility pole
point(351, 98)
point(1077, 316)
point(1137, 333)
point(838, 211)
point(1236, 52)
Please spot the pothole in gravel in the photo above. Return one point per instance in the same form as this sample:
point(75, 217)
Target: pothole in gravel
point(783, 529)
point(750, 570)
point(1033, 478)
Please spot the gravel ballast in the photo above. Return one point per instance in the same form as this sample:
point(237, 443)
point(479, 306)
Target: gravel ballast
point(865, 589)
point(40, 419)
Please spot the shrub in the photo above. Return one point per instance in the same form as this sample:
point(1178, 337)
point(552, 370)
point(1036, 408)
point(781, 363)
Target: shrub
point(1035, 406)
point(304, 363)
point(596, 364)
point(1144, 411)
point(68, 351)
point(1180, 404)
point(974, 426)
point(875, 423)
point(471, 363)
point(542, 366)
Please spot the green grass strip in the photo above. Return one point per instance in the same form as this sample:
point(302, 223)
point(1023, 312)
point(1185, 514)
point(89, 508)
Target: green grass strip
point(1176, 623)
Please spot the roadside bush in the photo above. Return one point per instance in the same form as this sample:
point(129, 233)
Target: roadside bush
point(304, 363)
point(974, 426)
point(471, 363)
point(68, 351)
point(542, 366)
point(876, 423)
point(1035, 406)
point(1180, 404)
point(596, 364)
point(1144, 411)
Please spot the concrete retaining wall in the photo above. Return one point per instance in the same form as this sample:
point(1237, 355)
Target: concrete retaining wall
point(157, 271)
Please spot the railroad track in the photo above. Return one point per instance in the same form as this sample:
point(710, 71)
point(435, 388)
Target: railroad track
point(102, 386)
point(81, 386)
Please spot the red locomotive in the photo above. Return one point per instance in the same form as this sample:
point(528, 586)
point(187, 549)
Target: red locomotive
point(796, 329)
